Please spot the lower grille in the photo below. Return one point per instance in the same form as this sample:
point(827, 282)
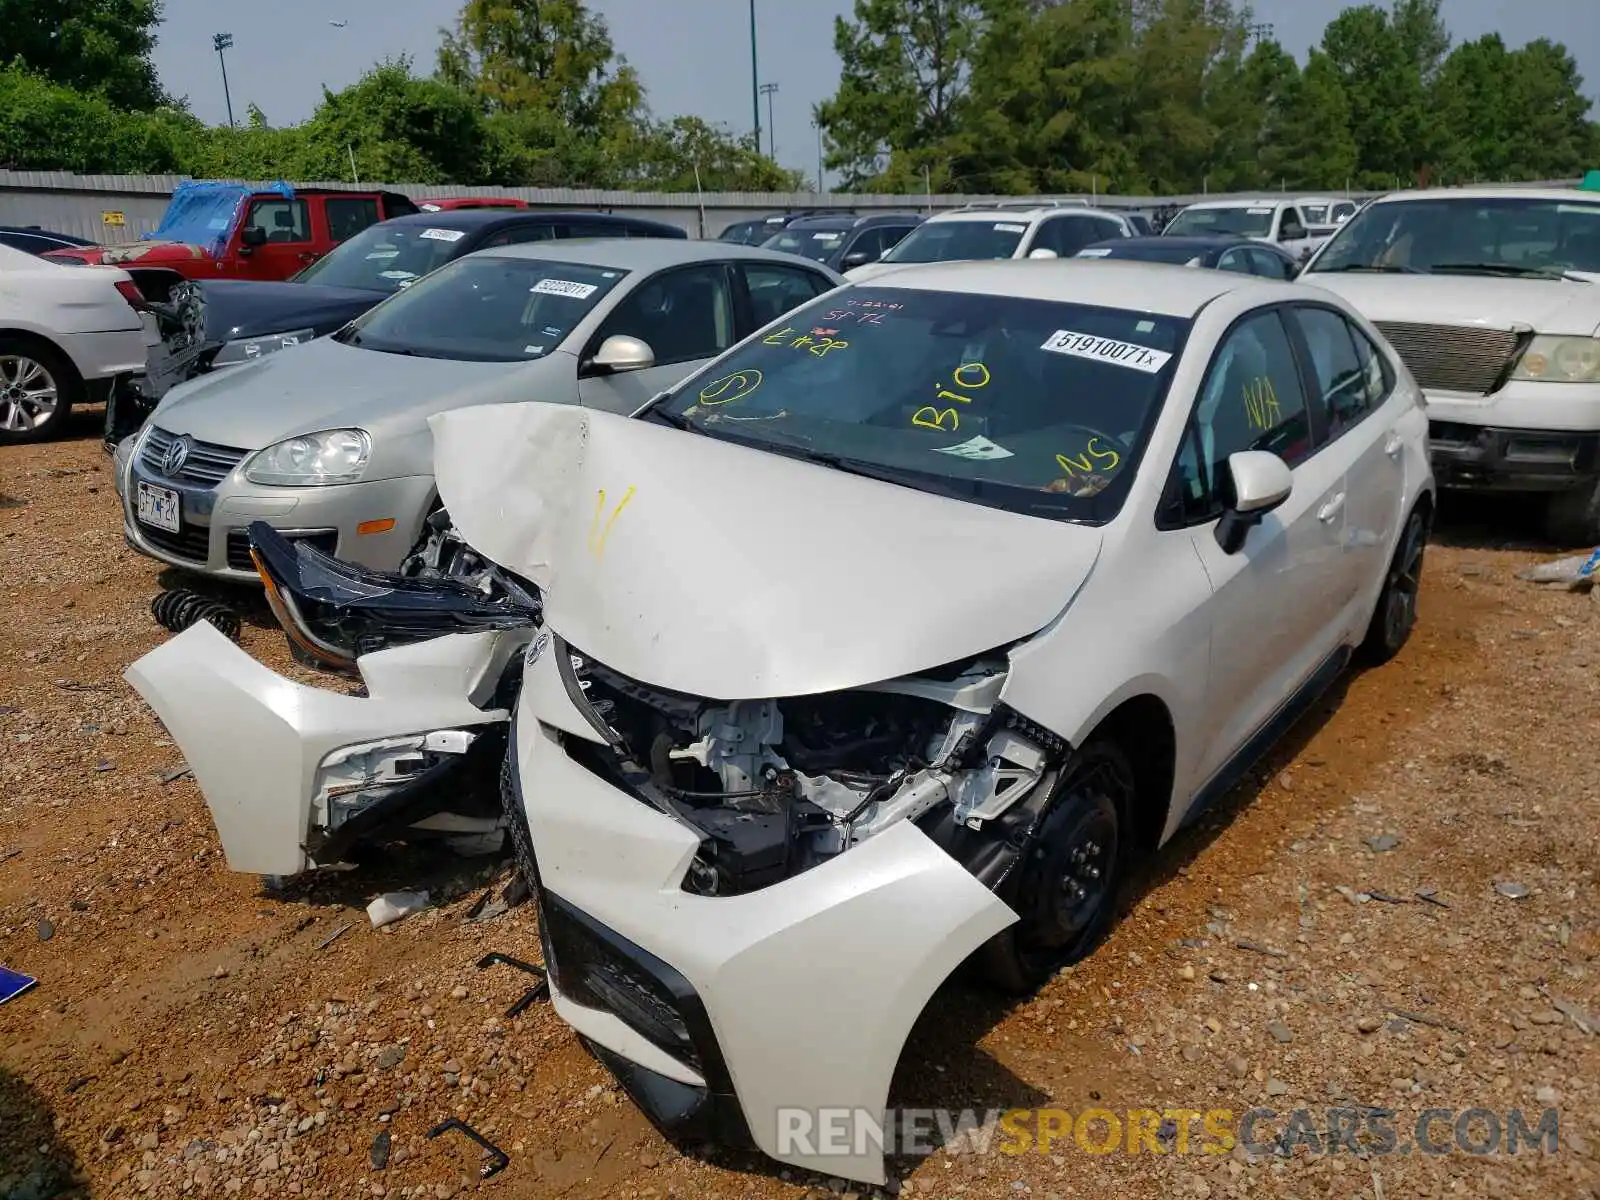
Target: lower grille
point(207, 464)
point(191, 543)
point(1453, 358)
point(239, 545)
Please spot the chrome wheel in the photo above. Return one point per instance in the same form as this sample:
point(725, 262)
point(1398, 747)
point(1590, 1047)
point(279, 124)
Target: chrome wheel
point(28, 394)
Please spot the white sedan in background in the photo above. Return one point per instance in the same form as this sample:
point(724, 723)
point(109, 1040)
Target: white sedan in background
point(65, 333)
point(1001, 571)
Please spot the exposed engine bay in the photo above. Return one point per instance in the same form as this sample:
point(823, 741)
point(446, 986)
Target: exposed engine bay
point(775, 787)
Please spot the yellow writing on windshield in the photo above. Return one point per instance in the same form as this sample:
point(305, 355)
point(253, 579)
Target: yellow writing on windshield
point(971, 376)
point(929, 417)
point(1094, 457)
point(730, 387)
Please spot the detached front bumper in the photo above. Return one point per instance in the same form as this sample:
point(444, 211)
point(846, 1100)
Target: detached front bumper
point(761, 1011)
point(259, 745)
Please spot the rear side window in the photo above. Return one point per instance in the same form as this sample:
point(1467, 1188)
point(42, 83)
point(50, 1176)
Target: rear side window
point(282, 220)
point(534, 231)
point(349, 215)
point(1265, 262)
point(1352, 382)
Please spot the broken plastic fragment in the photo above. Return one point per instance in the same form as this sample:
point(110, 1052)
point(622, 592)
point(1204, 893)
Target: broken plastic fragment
point(395, 906)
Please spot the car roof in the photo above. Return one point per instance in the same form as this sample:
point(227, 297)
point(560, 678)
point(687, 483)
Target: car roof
point(639, 254)
point(1160, 288)
point(1260, 202)
point(1491, 193)
point(852, 221)
point(469, 219)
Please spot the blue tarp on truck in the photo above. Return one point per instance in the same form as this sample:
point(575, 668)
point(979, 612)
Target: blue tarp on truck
point(204, 213)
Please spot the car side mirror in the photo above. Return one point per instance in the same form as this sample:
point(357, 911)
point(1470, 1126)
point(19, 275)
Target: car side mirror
point(1261, 482)
point(253, 236)
point(856, 258)
point(1042, 252)
point(619, 354)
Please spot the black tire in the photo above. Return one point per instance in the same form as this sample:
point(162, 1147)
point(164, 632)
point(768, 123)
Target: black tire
point(1396, 614)
point(1065, 889)
point(21, 416)
point(1573, 518)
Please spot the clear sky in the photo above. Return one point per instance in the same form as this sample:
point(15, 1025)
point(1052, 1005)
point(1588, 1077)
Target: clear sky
point(693, 55)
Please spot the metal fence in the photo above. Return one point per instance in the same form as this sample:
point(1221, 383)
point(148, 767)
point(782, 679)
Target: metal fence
point(122, 207)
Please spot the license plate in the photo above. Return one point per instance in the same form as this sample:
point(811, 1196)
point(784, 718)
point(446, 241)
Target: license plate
point(158, 507)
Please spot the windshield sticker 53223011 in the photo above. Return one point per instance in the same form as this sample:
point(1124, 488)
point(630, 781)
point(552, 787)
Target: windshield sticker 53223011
point(1107, 350)
point(564, 287)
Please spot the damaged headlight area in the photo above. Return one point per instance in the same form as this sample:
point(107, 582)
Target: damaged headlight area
point(775, 787)
point(438, 785)
point(333, 611)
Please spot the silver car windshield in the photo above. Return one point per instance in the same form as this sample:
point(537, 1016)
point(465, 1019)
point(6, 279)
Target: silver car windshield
point(1501, 235)
point(1246, 221)
point(1035, 406)
point(485, 309)
point(950, 241)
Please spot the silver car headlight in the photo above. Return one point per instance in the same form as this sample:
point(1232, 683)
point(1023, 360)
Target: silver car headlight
point(248, 349)
point(1551, 359)
point(312, 459)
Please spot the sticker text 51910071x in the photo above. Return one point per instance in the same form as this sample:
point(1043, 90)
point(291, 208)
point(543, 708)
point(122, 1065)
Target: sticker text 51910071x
point(1107, 350)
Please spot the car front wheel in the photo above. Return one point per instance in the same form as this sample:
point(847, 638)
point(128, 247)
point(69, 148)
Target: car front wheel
point(1066, 886)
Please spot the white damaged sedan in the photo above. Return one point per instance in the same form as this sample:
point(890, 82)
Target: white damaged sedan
point(891, 638)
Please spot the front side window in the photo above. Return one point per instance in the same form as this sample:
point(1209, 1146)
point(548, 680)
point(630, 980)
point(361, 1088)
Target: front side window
point(349, 215)
point(1234, 260)
point(1501, 235)
point(281, 220)
point(1251, 400)
point(950, 241)
point(681, 315)
point(485, 309)
point(1265, 262)
point(1035, 406)
point(1253, 220)
point(385, 258)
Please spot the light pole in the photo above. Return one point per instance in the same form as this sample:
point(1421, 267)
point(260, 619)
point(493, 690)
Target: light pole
point(822, 185)
point(769, 90)
point(755, 99)
point(221, 42)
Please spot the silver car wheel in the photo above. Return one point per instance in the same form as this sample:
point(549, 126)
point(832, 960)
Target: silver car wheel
point(28, 394)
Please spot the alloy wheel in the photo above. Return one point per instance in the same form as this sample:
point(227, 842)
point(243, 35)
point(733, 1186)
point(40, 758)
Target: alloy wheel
point(28, 394)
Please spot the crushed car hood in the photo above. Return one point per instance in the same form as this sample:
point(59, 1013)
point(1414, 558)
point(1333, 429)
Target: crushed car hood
point(319, 385)
point(246, 307)
point(729, 573)
point(1545, 305)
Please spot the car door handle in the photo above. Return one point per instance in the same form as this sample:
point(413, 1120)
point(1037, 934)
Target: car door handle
point(1331, 509)
point(1394, 445)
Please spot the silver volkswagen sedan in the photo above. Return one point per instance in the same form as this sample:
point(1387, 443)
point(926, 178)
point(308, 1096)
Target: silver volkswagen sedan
point(329, 441)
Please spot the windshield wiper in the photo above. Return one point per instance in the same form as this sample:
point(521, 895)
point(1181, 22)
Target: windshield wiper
point(1375, 268)
point(1512, 269)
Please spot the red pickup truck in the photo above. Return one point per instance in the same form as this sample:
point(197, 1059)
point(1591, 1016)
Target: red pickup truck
point(229, 231)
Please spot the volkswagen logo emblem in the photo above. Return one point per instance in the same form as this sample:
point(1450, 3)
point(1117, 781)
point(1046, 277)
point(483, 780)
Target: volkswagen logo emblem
point(177, 454)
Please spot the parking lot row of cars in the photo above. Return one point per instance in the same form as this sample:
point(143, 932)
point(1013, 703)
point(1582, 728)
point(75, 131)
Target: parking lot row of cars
point(865, 624)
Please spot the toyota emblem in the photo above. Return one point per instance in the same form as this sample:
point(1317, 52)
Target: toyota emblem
point(177, 454)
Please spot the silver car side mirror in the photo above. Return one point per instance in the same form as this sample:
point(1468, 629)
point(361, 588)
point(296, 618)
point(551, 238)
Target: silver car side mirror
point(1261, 482)
point(620, 353)
point(1043, 252)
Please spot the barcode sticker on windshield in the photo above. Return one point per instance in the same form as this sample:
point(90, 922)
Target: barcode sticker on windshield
point(442, 235)
point(1107, 350)
point(564, 287)
point(826, 237)
point(1260, 212)
point(1094, 253)
point(1006, 227)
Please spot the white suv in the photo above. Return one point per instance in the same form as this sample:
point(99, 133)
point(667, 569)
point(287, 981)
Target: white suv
point(1492, 298)
point(1025, 229)
point(1268, 220)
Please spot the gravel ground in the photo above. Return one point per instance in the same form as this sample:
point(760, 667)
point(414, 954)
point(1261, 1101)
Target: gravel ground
point(1398, 911)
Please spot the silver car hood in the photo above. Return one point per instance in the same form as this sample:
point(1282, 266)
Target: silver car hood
point(320, 385)
point(729, 573)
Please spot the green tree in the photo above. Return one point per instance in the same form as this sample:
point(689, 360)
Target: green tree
point(685, 154)
point(101, 47)
point(902, 85)
point(48, 126)
point(1395, 134)
point(554, 56)
point(1311, 146)
point(1248, 104)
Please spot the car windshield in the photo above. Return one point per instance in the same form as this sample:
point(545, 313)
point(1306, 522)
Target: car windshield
point(1502, 235)
point(384, 258)
point(950, 241)
point(1035, 406)
point(1253, 220)
point(1315, 214)
point(485, 309)
point(817, 244)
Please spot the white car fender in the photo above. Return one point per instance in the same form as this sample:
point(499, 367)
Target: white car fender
point(254, 739)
